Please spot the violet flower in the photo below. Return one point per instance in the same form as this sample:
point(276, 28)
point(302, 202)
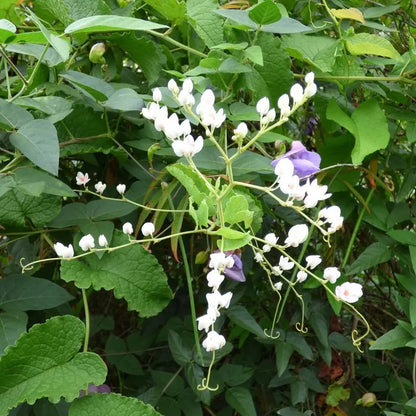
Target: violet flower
point(92, 388)
point(236, 272)
point(306, 163)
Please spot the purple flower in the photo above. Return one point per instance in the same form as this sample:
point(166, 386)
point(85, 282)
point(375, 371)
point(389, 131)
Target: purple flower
point(306, 163)
point(92, 388)
point(236, 272)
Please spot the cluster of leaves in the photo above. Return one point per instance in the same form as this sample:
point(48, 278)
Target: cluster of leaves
point(67, 106)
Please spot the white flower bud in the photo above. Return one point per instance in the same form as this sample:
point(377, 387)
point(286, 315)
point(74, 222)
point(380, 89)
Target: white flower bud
point(157, 95)
point(278, 286)
point(187, 85)
point(284, 167)
point(309, 78)
point(331, 274)
point(148, 229)
point(240, 132)
point(283, 101)
point(296, 92)
point(263, 106)
point(173, 87)
point(301, 276)
point(87, 242)
point(64, 251)
point(310, 90)
point(258, 257)
point(121, 188)
point(102, 241)
point(127, 228)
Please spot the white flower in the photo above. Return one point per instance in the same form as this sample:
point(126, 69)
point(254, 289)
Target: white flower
point(310, 90)
point(301, 276)
point(349, 292)
point(225, 300)
point(148, 229)
point(313, 261)
point(121, 188)
point(283, 102)
point(213, 299)
point(333, 216)
point(296, 92)
point(297, 235)
point(285, 263)
point(263, 106)
point(214, 341)
point(188, 147)
point(269, 117)
point(100, 187)
point(315, 193)
point(187, 85)
point(151, 112)
point(173, 86)
point(309, 78)
point(127, 228)
point(161, 118)
point(271, 240)
point(82, 178)
point(87, 242)
point(258, 257)
point(284, 167)
point(171, 127)
point(331, 274)
point(64, 251)
point(207, 98)
point(205, 322)
point(278, 286)
point(290, 185)
point(277, 270)
point(240, 132)
point(102, 241)
point(186, 99)
point(185, 128)
point(220, 261)
point(157, 95)
point(215, 278)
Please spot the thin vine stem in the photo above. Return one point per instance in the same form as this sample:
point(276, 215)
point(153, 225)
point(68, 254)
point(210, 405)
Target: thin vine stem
point(87, 319)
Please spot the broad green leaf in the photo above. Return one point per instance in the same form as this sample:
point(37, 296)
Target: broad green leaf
point(24, 293)
point(124, 99)
point(352, 13)
point(374, 12)
point(206, 23)
point(240, 316)
point(231, 46)
point(250, 163)
point(403, 236)
point(191, 181)
point(335, 113)
point(234, 374)
point(236, 210)
point(146, 291)
point(12, 325)
point(13, 116)
point(409, 283)
point(57, 8)
point(231, 234)
point(337, 394)
point(232, 66)
point(45, 363)
point(36, 182)
point(16, 207)
point(228, 244)
point(38, 141)
point(319, 324)
point(50, 58)
point(78, 9)
point(373, 255)
point(395, 338)
point(319, 51)
point(117, 354)
point(367, 43)
point(240, 399)
point(412, 311)
point(7, 30)
point(174, 10)
point(412, 251)
point(255, 54)
point(30, 37)
point(264, 13)
point(188, 404)
point(298, 342)
point(309, 377)
point(284, 351)
point(6, 183)
point(89, 85)
point(180, 352)
point(104, 23)
point(199, 214)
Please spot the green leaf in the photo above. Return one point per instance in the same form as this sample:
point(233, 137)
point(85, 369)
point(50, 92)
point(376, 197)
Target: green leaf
point(236, 210)
point(319, 325)
point(366, 43)
point(12, 325)
point(232, 66)
point(240, 316)
point(284, 351)
point(124, 99)
point(412, 311)
point(352, 13)
point(412, 251)
point(90, 86)
point(240, 399)
point(38, 141)
point(264, 13)
point(255, 54)
point(180, 352)
point(374, 12)
point(206, 23)
point(78, 9)
point(395, 338)
point(298, 392)
point(199, 214)
point(50, 58)
point(117, 354)
point(146, 292)
point(337, 394)
point(234, 374)
point(24, 293)
point(173, 10)
point(231, 234)
point(405, 237)
point(6, 183)
point(372, 136)
point(373, 255)
point(192, 182)
point(35, 182)
point(7, 30)
point(16, 207)
point(103, 23)
point(13, 116)
point(110, 405)
point(45, 363)
point(335, 113)
point(57, 8)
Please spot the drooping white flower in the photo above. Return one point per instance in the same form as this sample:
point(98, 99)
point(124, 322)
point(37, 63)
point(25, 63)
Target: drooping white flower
point(277, 270)
point(349, 292)
point(207, 98)
point(240, 132)
point(258, 257)
point(205, 322)
point(310, 90)
point(301, 276)
point(63, 251)
point(157, 95)
point(161, 118)
point(173, 87)
point(127, 228)
point(271, 240)
point(171, 127)
point(121, 188)
point(283, 102)
point(100, 187)
point(82, 178)
point(188, 147)
point(284, 167)
point(285, 263)
point(185, 128)
point(315, 193)
point(151, 112)
point(188, 85)
point(220, 261)
point(213, 299)
point(185, 98)
point(278, 286)
point(102, 241)
point(87, 242)
point(290, 185)
point(225, 300)
point(269, 117)
point(313, 261)
point(215, 278)
point(296, 92)
point(331, 274)
point(297, 235)
point(309, 78)
point(214, 341)
point(148, 228)
point(263, 106)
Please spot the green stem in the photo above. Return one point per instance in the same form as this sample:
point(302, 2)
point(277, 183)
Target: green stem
point(357, 226)
point(87, 320)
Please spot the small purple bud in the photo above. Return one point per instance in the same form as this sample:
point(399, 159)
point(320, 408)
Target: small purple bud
point(92, 388)
point(236, 272)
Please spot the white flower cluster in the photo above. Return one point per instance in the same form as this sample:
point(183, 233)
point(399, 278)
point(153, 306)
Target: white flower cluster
point(86, 243)
point(218, 262)
point(298, 94)
point(332, 216)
